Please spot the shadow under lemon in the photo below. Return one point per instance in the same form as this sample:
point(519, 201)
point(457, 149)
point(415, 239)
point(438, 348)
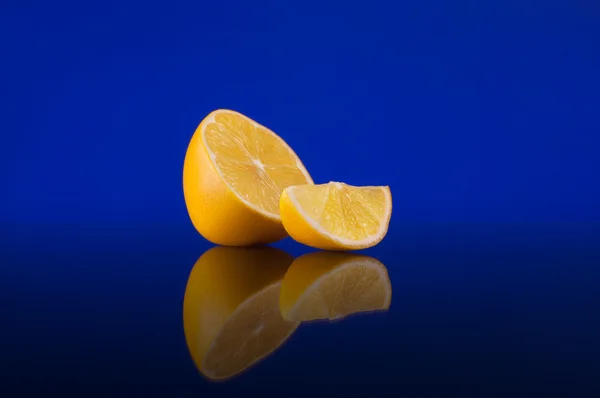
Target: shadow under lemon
point(333, 285)
point(231, 311)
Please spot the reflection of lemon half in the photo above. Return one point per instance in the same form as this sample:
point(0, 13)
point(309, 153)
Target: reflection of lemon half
point(333, 285)
point(233, 174)
point(231, 312)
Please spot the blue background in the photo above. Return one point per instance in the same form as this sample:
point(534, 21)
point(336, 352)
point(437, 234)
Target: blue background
point(469, 110)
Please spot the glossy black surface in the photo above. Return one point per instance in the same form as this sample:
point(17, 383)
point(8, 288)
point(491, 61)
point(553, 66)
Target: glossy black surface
point(477, 310)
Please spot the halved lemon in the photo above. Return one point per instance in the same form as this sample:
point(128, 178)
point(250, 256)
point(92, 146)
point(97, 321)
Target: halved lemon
point(332, 285)
point(233, 175)
point(336, 216)
point(231, 314)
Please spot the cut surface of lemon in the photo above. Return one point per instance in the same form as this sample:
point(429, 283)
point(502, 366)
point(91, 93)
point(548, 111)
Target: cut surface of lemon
point(233, 175)
point(332, 286)
point(336, 216)
point(231, 311)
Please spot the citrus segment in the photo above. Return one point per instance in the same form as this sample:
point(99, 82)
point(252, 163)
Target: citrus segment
point(233, 175)
point(231, 311)
point(336, 216)
point(330, 285)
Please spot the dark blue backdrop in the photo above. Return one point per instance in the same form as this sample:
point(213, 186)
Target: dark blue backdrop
point(469, 110)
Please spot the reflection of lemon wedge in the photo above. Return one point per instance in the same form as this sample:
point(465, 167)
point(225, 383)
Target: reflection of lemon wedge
point(231, 312)
point(336, 216)
point(233, 175)
point(331, 285)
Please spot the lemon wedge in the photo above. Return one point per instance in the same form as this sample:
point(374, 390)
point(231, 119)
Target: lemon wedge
point(336, 216)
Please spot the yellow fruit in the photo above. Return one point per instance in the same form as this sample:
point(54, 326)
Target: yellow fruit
point(233, 175)
point(333, 285)
point(336, 216)
point(231, 312)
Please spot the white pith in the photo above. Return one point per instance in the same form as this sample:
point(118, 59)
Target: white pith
point(211, 119)
point(384, 221)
